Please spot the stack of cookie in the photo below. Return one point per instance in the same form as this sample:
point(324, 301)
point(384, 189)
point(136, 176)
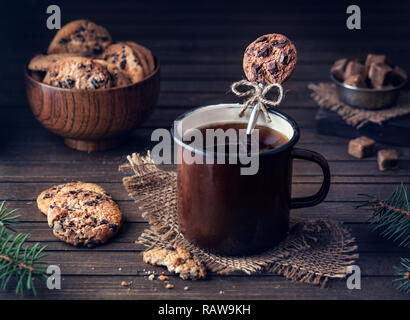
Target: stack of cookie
point(80, 213)
point(82, 56)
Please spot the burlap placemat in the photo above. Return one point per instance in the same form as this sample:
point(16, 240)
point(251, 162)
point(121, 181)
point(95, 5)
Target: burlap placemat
point(325, 95)
point(313, 252)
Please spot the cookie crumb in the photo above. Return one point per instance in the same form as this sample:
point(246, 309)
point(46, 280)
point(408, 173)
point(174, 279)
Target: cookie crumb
point(163, 277)
point(120, 269)
point(125, 283)
point(186, 288)
point(169, 286)
point(177, 260)
point(221, 292)
point(151, 277)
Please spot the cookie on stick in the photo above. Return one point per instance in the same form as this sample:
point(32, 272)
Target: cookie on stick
point(268, 61)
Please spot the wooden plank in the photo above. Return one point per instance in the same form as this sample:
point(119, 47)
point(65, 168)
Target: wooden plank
point(59, 152)
point(367, 241)
point(339, 211)
point(237, 288)
point(338, 192)
point(107, 171)
point(37, 136)
point(127, 263)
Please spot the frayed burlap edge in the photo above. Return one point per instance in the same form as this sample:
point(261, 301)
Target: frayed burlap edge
point(313, 252)
point(326, 96)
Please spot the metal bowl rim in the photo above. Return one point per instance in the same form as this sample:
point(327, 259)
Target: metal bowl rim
point(341, 84)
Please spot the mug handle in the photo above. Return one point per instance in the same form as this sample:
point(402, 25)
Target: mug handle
point(317, 198)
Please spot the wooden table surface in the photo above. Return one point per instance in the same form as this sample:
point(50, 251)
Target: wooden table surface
point(200, 46)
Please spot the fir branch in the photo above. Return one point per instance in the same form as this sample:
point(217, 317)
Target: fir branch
point(391, 217)
point(403, 271)
point(6, 218)
point(17, 260)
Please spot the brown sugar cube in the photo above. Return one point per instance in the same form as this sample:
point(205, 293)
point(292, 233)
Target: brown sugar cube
point(361, 147)
point(387, 159)
point(355, 81)
point(380, 75)
point(353, 68)
point(398, 75)
point(374, 58)
point(338, 69)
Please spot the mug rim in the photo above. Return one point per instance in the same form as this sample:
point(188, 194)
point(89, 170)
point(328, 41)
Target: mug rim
point(287, 145)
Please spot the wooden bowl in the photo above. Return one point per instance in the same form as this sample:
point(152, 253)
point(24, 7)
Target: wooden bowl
point(93, 120)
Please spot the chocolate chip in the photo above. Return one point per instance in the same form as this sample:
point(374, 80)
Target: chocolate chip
point(86, 194)
point(47, 195)
point(54, 74)
point(106, 193)
point(272, 68)
point(264, 52)
point(103, 38)
point(103, 221)
point(280, 43)
point(79, 35)
point(260, 39)
point(81, 65)
point(95, 84)
point(123, 64)
point(112, 226)
point(60, 84)
point(52, 207)
point(283, 58)
point(62, 41)
point(70, 84)
point(97, 51)
point(90, 203)
point(80, 29)
point(106, 57)
point(71, 224)
point(255, 70)
point(170, 248)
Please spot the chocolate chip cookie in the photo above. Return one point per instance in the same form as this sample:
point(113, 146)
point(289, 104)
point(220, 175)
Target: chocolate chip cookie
point(177, 260)
point(45, 198)
point(119, 78)
point(124, 57)
point(270, 59)
point(80, 37)
point(82, 217)
point(78, 73)
point(145, 56)
point(43, 62)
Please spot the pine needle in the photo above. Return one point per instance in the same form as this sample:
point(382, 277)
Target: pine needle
point(6, 218)
point(17, 259)
point(391, 217)
point(403, 273)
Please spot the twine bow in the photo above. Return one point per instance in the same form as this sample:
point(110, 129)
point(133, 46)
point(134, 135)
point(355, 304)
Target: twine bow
point(257, 96)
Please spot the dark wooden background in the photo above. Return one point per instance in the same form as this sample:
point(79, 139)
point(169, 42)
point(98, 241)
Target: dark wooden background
point(200, 45)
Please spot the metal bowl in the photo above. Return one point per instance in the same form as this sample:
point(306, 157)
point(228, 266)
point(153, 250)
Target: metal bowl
point(367, 98)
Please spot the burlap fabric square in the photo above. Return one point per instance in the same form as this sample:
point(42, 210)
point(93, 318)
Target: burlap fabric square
point(326, 96)
point(313, 252)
